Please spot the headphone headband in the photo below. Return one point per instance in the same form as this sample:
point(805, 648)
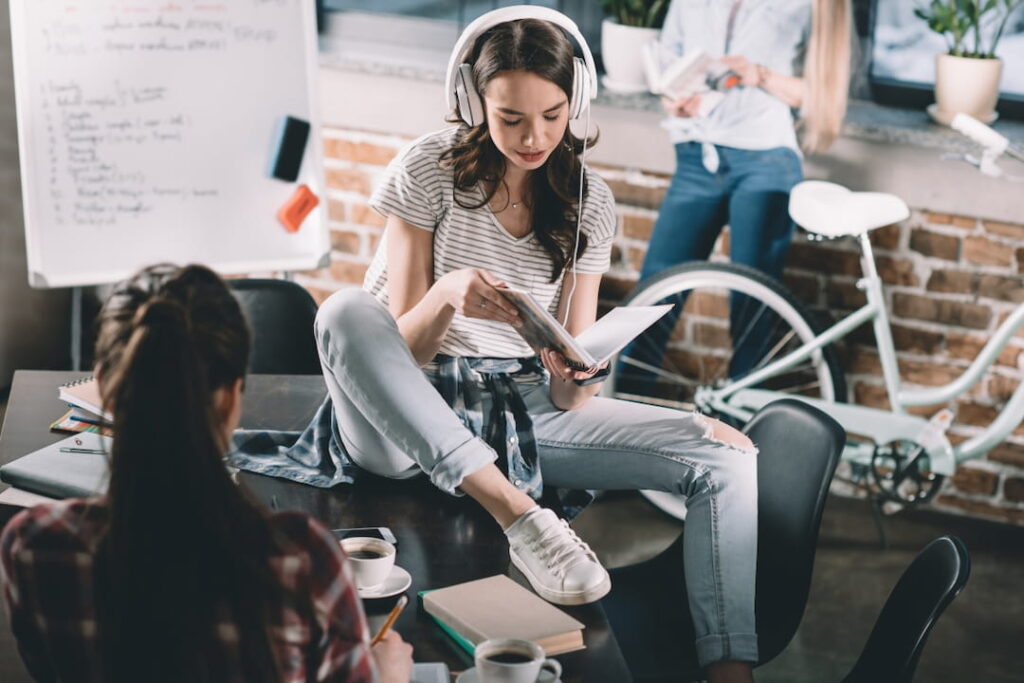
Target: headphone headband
point(483, 23)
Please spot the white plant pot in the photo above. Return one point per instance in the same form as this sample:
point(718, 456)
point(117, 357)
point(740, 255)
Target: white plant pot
point(622, 55)
point(966, 85)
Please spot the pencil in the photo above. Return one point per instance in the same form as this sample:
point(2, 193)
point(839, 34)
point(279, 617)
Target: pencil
point(96, 451)
point(395, 611)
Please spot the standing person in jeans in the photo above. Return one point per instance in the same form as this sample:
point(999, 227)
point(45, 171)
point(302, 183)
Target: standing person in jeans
point(427, 373)
point(174, 574)
point(736, 164)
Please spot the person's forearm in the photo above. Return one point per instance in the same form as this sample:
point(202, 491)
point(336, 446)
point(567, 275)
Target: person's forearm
point(567, 395)
point(789, 89)
point(425, 325)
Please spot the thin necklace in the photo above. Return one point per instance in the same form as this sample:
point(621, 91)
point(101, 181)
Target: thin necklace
point(515, 204)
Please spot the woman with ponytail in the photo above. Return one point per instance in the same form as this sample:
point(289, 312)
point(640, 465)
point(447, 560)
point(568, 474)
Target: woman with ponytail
point(736, 162)
point(174, 574)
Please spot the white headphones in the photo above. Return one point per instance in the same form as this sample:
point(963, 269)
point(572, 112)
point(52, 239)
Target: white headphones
point(458, 83)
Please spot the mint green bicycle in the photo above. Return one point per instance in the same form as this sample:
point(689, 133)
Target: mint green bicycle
point(738, 339)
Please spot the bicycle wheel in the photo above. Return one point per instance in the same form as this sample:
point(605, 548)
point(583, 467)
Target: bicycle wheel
point(729, 321)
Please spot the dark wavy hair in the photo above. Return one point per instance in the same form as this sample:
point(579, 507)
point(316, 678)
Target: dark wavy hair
point(540, 48)
point(183, 545)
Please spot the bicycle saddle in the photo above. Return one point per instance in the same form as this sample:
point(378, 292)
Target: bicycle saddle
point(832, 210)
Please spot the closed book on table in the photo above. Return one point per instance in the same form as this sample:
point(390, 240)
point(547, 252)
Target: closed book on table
point(85, 394)
point(75, 467)
point(498, 607)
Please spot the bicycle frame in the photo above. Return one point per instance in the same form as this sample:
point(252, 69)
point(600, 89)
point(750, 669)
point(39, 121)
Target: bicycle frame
point(875, 311)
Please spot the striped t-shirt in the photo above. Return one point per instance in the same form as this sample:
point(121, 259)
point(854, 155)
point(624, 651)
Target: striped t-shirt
point(417, 189)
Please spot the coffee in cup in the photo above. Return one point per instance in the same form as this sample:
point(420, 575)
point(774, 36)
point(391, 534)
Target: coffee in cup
point(511, 660)
point(371, 560)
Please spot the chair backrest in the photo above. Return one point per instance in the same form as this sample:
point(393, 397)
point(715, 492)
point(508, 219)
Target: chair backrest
point(926, 588)
point(799, 450)
point(281, 315)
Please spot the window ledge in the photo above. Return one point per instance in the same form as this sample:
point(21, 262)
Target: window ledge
point(881, 148)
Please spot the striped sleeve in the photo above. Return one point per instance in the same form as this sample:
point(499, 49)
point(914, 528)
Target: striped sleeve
point(600, 223)
point(410, 187)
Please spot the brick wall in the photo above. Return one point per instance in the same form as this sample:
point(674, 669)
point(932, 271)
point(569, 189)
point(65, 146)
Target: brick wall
point(950, 281)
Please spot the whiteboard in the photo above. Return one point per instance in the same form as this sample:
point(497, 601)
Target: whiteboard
point(146, 129)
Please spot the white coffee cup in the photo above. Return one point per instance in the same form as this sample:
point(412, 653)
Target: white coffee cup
point(511, 660)
point(371, 560)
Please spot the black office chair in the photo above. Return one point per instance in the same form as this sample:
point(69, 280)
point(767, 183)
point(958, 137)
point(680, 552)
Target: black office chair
point(924, 591)
point(647, 607)
point(281, 315)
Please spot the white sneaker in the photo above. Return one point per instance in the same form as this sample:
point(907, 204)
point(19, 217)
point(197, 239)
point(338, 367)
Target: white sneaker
point(560, 567)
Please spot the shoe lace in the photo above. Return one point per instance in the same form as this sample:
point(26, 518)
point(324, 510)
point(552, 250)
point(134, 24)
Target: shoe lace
point(561, 548)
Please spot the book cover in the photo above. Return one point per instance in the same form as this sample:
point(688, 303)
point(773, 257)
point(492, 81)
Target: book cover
point(85, 394)
point(498, 607)
point(430, 672)
point(595, 345)
point(75, 467)
point(685, 76)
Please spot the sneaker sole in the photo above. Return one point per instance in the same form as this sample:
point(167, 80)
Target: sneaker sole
point(561, 597)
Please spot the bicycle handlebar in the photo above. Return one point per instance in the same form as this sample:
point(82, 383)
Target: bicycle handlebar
point(993, 142)
point(980, 133)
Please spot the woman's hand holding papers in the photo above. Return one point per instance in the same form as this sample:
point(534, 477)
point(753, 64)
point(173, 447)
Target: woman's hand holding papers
point(684, 107)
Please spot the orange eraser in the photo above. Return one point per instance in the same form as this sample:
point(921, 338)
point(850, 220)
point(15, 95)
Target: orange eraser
point(297, 208)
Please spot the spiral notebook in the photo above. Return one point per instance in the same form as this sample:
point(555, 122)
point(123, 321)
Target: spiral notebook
point(85, 395)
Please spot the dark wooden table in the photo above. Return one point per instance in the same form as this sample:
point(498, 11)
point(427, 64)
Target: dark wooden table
point(442, 540)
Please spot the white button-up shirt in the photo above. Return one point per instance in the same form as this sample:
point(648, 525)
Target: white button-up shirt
point(769, 32)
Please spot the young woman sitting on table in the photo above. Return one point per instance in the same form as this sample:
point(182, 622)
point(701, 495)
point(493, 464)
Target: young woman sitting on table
point(439, 381)
point(174, 575)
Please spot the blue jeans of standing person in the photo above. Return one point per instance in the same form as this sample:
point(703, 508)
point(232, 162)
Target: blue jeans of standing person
point(394, 423)
point(749, 192)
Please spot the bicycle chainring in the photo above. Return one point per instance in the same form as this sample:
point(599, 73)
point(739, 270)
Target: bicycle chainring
point(902, 472)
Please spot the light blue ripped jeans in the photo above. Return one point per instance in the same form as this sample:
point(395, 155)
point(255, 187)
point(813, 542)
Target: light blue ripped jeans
point(395, 424)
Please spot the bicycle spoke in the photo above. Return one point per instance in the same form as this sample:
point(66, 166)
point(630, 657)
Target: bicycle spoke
point(674, 378)
point(770, 356)
point(729, 321)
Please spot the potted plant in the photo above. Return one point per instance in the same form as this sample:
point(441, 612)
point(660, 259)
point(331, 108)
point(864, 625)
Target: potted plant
point(628, 26)
point(967, 75)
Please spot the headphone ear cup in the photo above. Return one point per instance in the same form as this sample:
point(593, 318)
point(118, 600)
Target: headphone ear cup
point(471, 107)
point(580, 89)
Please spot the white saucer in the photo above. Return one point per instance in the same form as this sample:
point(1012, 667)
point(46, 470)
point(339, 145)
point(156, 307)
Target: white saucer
point(398, 580)
point(945, 118)
point(469, 676)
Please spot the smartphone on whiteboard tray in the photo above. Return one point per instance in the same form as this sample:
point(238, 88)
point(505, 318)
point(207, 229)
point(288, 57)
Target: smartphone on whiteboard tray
point(381, 532)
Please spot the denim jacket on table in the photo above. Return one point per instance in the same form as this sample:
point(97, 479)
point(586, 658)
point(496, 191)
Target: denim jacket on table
point(317, 455)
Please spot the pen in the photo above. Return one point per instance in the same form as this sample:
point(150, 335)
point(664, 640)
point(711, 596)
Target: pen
point(89, 421)
point(96, 451)
point(395, 611)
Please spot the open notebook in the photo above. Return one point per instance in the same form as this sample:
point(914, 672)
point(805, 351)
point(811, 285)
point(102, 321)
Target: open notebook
point(596, 344)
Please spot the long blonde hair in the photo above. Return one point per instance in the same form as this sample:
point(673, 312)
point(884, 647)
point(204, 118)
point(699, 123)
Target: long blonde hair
point(826, 74)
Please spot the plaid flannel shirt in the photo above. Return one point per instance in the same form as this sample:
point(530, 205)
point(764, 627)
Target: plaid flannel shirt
point(317, 456)
point(46, 566)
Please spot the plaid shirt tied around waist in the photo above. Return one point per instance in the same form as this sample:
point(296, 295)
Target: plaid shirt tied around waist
point(317, 455)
